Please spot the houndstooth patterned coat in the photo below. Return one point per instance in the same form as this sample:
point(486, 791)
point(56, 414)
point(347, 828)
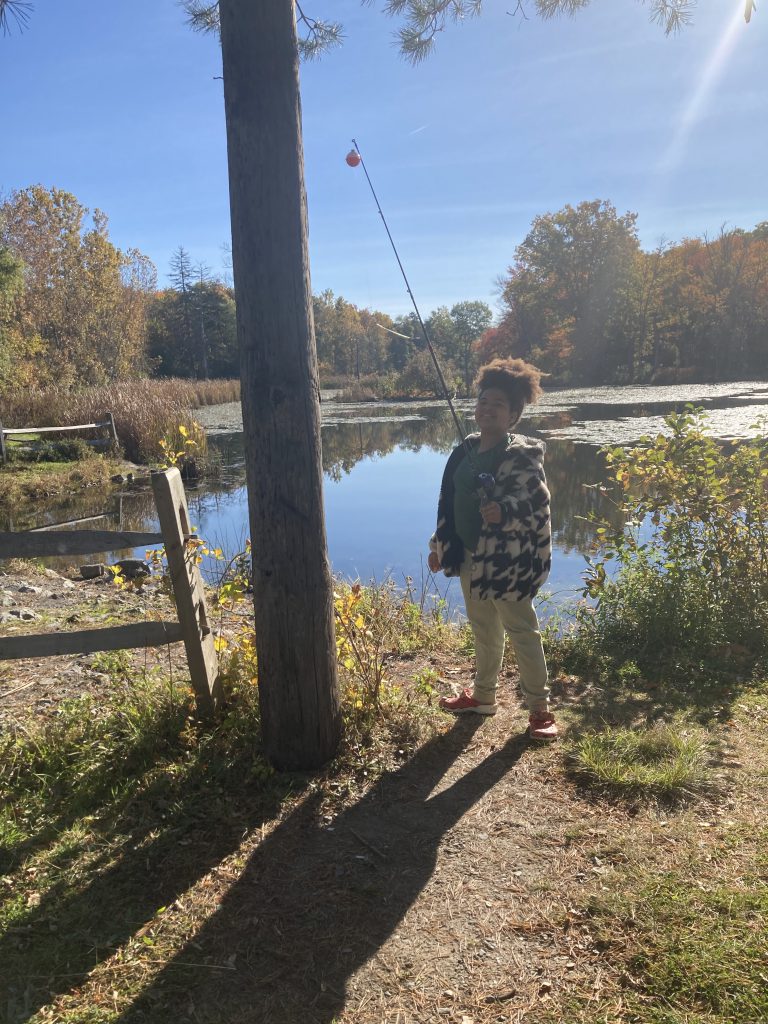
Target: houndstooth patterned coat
point(512, 559)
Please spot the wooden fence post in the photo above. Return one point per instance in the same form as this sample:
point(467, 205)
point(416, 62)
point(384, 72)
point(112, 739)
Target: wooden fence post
point(191, 608)
point(2, 444)
point(112, 429)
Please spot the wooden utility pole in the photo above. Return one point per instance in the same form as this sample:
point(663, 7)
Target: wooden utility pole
point(293, 594)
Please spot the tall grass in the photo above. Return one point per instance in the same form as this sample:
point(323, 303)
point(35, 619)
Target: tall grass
point(146, 411)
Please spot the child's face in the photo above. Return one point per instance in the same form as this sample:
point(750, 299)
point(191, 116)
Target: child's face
point(493, 412)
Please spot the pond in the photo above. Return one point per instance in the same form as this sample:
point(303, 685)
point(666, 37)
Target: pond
point(383, 463)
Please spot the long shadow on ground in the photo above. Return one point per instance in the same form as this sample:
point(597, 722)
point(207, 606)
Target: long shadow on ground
point(315, 902)
point(57, 942)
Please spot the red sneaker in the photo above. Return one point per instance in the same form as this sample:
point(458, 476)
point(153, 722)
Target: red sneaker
point(542, 726)
point(464, 703)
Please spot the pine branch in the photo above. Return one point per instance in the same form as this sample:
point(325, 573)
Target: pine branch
point(672, 15)
point(201, 16)
point(424, 19)
point(18, 10)
point(320, 36)
point(317, 38)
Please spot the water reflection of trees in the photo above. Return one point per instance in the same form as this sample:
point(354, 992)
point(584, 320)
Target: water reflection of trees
point(346, 444)
point(572, 471)
point(571, 467)
point(105, 508)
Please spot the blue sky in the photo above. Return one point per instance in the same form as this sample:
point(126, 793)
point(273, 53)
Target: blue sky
point(119, 104)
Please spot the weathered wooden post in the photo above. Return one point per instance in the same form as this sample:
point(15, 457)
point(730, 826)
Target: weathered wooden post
point(172, 511)
point(110, 419)
point(2, 444)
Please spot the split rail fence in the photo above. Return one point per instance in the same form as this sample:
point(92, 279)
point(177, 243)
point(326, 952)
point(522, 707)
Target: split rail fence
point(19, 433)
point(193, 625)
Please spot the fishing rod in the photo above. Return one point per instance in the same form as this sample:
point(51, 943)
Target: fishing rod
point(353, 158)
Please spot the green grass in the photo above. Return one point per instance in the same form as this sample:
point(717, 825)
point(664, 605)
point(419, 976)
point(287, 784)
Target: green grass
point(694, 947)
point(111, 810)
point(24, 483)
point(659, 762)
point(117, 806)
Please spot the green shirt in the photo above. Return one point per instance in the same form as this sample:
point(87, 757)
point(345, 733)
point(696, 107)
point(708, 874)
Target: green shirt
point(466, 496)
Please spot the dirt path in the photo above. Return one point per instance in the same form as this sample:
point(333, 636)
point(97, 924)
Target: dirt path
point(455, 888)
point(441, 895)
point(436, 896)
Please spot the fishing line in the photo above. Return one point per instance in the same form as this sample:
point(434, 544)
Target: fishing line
point(355, 157)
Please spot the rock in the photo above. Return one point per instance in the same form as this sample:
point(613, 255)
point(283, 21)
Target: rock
point(6, 601)
point(27, 588)
point(118, 478)
point(132, 568)
point(91, 572)
point(67, 585)
point(16, 614)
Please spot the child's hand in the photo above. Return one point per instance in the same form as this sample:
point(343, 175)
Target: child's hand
point(491, 513)
point(433, 562)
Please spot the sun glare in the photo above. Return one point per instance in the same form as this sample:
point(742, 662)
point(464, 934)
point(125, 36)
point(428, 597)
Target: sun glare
point(700, 95)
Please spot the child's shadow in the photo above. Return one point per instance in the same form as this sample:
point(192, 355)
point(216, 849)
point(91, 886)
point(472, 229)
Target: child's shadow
point(315, 902)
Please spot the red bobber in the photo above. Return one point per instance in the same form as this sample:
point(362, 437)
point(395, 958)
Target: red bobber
point(353, 158)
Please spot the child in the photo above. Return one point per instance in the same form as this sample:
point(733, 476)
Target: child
point(497, 539)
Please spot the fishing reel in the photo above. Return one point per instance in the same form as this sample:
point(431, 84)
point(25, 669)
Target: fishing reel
point(486, 482)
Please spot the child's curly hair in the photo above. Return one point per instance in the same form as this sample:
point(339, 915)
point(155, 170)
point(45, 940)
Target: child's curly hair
point(519, 381)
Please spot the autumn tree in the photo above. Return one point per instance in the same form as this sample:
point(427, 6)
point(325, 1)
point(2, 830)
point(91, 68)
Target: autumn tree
point(81, 315)
point(470, 320)
point(351, 342)
point(11, 286)
point(712, 316)
point(570, 291)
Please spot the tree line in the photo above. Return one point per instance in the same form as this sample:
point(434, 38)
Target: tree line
point(584, 302)
point(581, 299)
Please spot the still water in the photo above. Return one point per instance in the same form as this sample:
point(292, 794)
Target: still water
point(383, 464)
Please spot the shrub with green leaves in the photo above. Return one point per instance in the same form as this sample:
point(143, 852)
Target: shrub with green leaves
point(692, 554)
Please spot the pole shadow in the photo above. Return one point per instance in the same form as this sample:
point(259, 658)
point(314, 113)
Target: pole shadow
point(151, 872)
point(316, 901)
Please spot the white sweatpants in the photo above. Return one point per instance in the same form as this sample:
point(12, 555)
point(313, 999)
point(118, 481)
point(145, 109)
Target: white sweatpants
point(491, 620)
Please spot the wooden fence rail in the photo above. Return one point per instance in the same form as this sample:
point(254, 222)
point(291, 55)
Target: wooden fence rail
point(108, 423)
point(192, 627)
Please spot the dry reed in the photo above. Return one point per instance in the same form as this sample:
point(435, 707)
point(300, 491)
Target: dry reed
point(145, 411)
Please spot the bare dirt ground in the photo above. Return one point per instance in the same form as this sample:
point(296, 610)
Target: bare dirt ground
point(454, 888)
point(438, 896)
point(36, 600)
